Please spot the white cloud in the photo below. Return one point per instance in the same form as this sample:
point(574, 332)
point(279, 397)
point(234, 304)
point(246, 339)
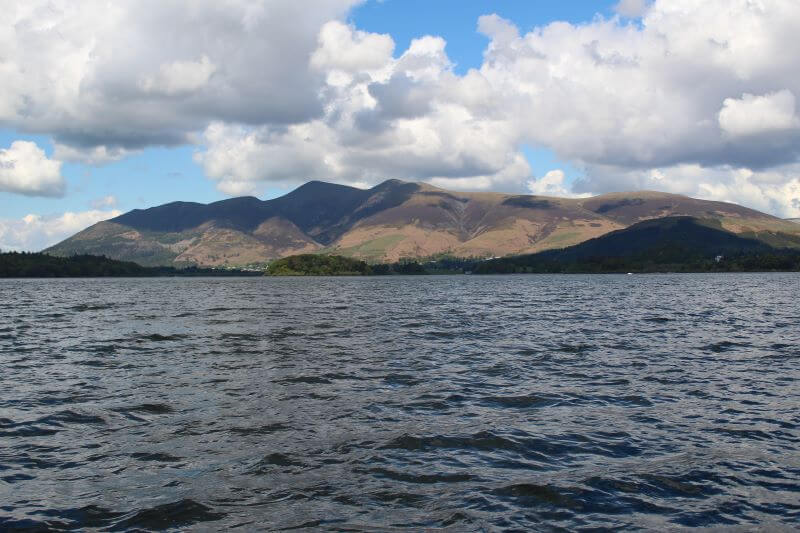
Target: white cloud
point(622, 100)
point(36, 232)
point(502, 32)
point(631, 8)
point(768, 191)
point(552, 184)
point(393, 119)
point(628, 103)
point(692, 93)
point(612, 94)
point(752, 115)
point(179, 77)
point(26, 169)
point(93, 155)
point(238, 158)
point(344, 48)
point(775, 191)
point(135, 73)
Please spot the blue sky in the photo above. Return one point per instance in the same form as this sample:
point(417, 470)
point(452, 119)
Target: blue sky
point(457, 21)
point(155, 176)
point(105, 112)
point(159, 175)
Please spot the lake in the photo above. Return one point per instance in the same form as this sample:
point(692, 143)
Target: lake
point(463, 403)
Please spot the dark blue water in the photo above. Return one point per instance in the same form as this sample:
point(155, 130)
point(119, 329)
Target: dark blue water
point(367, 404)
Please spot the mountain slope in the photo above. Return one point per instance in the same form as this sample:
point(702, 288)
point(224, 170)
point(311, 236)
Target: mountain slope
point(391, 221)
point(682, 243)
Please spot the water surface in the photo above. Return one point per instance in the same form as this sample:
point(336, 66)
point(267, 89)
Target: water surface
point(367, 404)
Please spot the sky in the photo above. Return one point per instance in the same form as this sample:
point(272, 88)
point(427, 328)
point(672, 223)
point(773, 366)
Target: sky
point(111, 106)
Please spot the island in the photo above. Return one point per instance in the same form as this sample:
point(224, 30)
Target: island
point(337, 265)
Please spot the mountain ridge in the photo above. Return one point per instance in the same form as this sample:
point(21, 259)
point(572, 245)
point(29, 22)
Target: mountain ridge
point(391, 221)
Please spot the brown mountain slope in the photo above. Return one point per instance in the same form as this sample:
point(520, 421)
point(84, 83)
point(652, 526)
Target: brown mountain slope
point(391, 221)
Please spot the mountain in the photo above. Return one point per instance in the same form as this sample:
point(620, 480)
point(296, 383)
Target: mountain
point(389, 222)
point(669, 243)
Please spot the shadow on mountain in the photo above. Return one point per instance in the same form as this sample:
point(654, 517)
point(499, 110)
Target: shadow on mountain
point(666, 244)
point(322, 210)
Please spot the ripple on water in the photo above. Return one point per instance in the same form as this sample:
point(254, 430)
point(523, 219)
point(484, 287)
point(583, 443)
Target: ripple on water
point(384, 404)
point(169, 515)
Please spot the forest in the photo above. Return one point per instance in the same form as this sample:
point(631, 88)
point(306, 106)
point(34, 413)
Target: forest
point(39, 265)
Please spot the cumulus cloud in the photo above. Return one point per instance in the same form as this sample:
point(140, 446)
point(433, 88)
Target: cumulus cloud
point(775, 191)
point(35, 232)
point(622, 101)
point(626, 102)
point(753, 115)
point(129, 74)
point(92, 155)
point(26, 169)
point(179, 77)
point(344, 48)
point(395, 118)
point(239, 158)
point(692, 95)
point(611, 94)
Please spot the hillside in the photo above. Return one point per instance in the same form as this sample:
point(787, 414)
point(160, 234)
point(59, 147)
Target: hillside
point(390, 222)
point(681, 244)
